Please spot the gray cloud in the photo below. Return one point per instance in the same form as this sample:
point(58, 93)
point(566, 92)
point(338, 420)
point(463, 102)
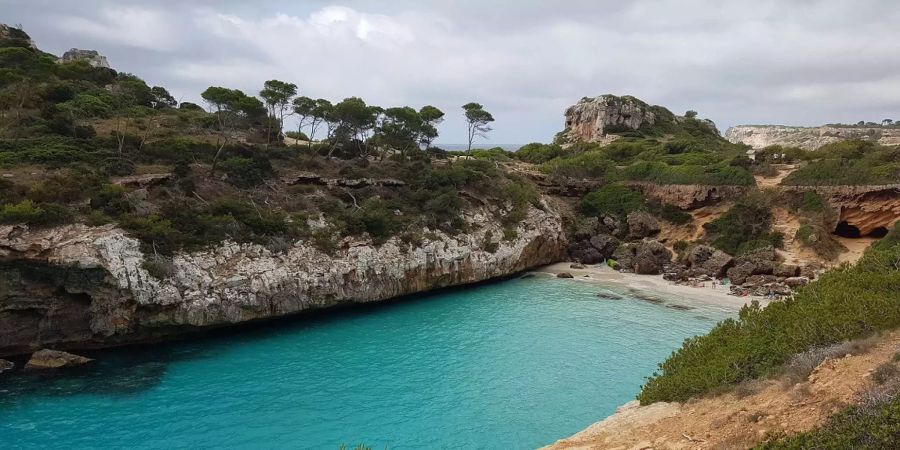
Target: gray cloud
point(799, 62)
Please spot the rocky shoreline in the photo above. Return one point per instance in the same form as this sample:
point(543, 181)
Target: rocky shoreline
point(76, 287)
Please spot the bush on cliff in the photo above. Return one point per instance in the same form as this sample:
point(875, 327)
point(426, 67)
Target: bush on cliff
point(844, 304)
point(537, 153)
point(744, 227)
point(863, 427)
point(614, 199)
point(850, 163)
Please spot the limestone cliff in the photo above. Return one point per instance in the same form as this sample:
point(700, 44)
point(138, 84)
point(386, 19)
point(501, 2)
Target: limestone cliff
point(13, 33)
point(689, 196)
point(77, 286)
point(809, 138)
point(92, 57)
point(593, 118)
point(865, 208)
point(597, 119)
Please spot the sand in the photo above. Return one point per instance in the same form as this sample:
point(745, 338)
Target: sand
point(653, 287)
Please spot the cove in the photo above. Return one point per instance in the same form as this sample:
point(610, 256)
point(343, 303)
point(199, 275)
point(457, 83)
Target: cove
point(513, 364)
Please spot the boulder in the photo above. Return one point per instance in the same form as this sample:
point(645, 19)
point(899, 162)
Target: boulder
point(786, 270)
point(795, 282)
point(6, 365)
point(605, 244)
point(642, 225)
point(757, 262)
point(593, 250)
point(583, 252)
point(811, 270)
point(703, 259)
point(645, 257)
point(53, 359)
point(577, 266)
point(566, 275)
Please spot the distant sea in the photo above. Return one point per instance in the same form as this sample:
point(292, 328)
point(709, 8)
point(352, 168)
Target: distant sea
point(507, 147)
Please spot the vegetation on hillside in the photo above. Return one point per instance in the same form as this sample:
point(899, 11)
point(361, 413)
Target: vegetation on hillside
point(70, 131)
point(745, 227)
point(846, 303)
point(692, 153)
point(848, 163)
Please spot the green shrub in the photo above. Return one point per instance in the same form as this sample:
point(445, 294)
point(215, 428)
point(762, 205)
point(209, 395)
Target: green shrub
point(812, 203)
point(28, 212)
point(111, 200)
point(670, 213)
point(584, 165)
point(537, 153)
point(614, 199)
point(246, 172)
point(863, 427)
point(744, 227)
point(850, 163)
point(298, 135)
point(845, 304)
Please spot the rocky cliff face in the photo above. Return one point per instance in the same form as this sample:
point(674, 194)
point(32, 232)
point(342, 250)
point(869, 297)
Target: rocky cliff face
point(865, 208)
point(809, 138)
point(593, 118)
point(596, 119)
point(8, 32)
point(92, 57)
point(689, 196)
point(77, 286)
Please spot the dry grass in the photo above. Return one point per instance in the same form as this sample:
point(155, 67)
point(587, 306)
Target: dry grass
point(801, 365)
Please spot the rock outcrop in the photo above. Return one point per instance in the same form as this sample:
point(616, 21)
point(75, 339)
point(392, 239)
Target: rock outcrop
point(79, 287)
point(54, 359)
point(689, 196)
point(6, 365)
point(592, 119)
point(15, 34)
point(642, 225)
point(597, 119)
point(92, 57)
point(757, 262)
point(867, 209)
point(647, 257)
point(809, 138)
point(705, 260)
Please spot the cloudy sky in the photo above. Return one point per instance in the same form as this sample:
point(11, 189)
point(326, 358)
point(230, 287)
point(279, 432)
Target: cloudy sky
point(803, 62)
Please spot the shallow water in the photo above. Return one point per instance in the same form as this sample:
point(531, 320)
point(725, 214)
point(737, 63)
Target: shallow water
point(516, 364)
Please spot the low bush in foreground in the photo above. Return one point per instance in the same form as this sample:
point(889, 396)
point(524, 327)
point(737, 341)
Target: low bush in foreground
point(844, 304)
point(874, 424)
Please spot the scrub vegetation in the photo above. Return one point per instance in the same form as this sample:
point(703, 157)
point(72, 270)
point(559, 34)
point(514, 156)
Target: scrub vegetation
point(844, 304)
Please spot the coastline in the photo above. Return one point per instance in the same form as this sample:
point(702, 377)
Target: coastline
point(652, 287)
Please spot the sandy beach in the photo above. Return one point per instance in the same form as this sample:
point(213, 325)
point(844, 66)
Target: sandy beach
point(652, 287)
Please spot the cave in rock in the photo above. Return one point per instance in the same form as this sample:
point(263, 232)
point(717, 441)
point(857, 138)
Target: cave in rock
point(846, 230)
point(879, 232)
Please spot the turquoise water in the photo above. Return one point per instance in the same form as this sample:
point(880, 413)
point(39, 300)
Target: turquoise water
point(516, 364)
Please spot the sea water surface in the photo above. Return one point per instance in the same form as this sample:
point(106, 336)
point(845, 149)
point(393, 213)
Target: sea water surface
point(509, 365)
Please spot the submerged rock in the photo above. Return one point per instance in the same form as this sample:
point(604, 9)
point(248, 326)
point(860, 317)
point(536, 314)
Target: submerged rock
point(565, 275)
point(54, 359)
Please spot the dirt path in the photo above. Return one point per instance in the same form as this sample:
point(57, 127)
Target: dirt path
point(771, 182)
point(732, 421)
